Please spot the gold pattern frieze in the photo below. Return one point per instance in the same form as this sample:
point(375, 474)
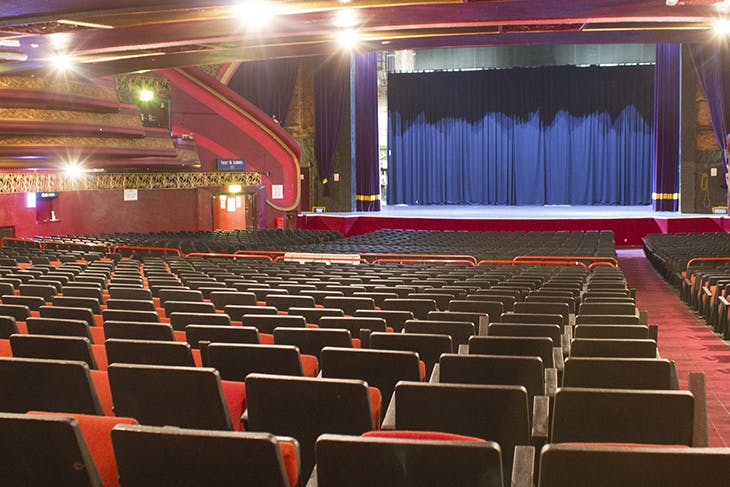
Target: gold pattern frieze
point(126, 120)
point(147, 143)
point(129, 85)
point(52, 85)
point(53, 182)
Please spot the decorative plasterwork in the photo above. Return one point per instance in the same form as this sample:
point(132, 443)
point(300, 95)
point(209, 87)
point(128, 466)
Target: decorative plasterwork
point(53, 182)
point(129, 85)
point(50, 85)
point(130, 120)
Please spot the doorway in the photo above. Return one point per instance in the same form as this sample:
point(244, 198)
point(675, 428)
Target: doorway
point(234, 211)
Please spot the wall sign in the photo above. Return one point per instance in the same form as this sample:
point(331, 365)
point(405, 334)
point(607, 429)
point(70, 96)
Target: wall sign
point(231, 164)
point(130, 195)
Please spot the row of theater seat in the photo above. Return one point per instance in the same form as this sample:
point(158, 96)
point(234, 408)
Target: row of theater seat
point(699, 266)
point(331, 397)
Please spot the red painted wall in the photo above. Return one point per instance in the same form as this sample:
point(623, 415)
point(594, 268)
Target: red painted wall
point(82, 212)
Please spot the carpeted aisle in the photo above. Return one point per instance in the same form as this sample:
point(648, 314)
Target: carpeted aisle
point(685, 339)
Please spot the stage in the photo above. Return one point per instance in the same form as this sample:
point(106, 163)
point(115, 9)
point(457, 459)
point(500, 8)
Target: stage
point(629, 223)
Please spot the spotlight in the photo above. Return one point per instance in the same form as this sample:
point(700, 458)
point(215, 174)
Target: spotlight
point(721, 27)
point(59, 40)
point(146, 95)
point(671, 3)
point(62, 62)
point(346, 18)
point(255, 14)
point(234, 188)
point(348, 39)
point(73, 170)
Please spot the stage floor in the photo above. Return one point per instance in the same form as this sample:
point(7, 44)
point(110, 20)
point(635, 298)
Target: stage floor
point(515, 212)
point(629, 223)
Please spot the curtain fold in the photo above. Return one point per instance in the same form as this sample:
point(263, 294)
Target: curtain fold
point(667, 100)
point(523, 136)
point(367, 160)
point(268, 84)
point(712, 65)
point(331, 84)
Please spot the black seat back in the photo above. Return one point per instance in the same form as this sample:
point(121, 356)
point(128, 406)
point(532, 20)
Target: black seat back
point(53, 347)
point(236, 361)
point(151, 352)
point(428, 347)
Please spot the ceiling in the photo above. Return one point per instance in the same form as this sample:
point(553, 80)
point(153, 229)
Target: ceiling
point(116, 36)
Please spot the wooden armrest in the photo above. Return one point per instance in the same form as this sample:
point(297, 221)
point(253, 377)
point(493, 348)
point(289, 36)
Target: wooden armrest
point(643, 317)
point(436, 374)
point(551, 381)
point(540, 419)
point(565, 342)
point(312, 482)
point(687, 282)
point(724, 300)
point(389, 419)
point(654, 332)
point(673, 376)
point(244, 419)
point(696, 385)
point(483, 327)
point(365, 337)
point(558, 359)
point(706, 291)
point(319, 374)
point(523, 467)
point(463, 349)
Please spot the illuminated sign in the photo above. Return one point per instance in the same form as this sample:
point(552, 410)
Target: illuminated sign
point(47, 196)
point(231, 164)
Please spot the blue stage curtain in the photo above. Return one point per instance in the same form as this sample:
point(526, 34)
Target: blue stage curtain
point(667, 96)
point(712, 65)
point(551, 135)
point(367, 161)
point(331, 84)
point(268, 84)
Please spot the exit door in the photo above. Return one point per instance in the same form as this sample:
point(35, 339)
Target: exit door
point(234, 211)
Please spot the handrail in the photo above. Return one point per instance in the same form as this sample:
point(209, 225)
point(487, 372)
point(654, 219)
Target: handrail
point(16, 239)
point(270, 253)
point(232, 256)
point(594, 258)
point(155, 249)
point(705, 259)
point(76, 244)
point(601, 264)
point(324, 258)
point(425, 261)
point(425, 256)
point(496, 261)
point(533, 262)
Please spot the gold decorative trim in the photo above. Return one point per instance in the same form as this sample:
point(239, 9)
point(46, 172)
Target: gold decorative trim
point(75, 88)
point(127, 120)
point(211, 69)
point(665, 196)
point(52, 182)
point(367, 197)
point(61, 141)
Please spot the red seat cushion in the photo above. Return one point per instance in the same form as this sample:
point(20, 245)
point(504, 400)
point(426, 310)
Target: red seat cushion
point(375, 404)
point(97, 434)
point(22, 327)
point(99, 352)
point(197, 359)
point(290, 456)
point(310, 365)
point(97, 333)
point(5, 348)
point(235, 393)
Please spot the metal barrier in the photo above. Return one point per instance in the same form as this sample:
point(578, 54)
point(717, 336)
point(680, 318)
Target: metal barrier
point(270, 253)
point(23, 240)
point(592, 258)
point(533, 262)
point(231, 256)
point(150, 249)
point(46, 243)
point(705, 259)
point(323, 258)
point(419, 256)
point(425, 261)
point(601, 264)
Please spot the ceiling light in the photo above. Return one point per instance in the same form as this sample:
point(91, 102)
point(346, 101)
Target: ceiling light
point(13, 56)
point(671, 3)
point(59, 40)
point(721, 27)
point(346, 18)
point(723, 6)
point(9, 43)
point(255, 14)
point(146, 95)
point(348, 39)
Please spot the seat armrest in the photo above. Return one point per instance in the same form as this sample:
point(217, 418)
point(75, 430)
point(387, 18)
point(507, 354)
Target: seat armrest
point(523, 467)
point(724, 300)
point(673, 376)
point(312, 482)
point(696, 385)
point(687, 282)
point(483, 327)
point(244, 419)
point(707, 291)
point(463, 349)
point(558, 359)
point(436, 374)
point(643, 317)
point(389, 418)
point(365, 338)
point(551, 381)
point(540, 419)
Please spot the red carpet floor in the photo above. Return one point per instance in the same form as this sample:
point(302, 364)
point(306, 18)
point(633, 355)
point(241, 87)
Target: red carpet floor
point(685, 339)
